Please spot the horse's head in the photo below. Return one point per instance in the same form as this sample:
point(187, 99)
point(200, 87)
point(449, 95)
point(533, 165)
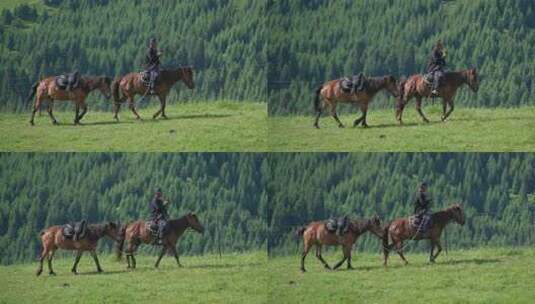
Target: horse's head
point(104, 86)
point(391, 85)
point(374, 226)
point(457, 213)
point(187, 77)
point(194, 222)
point(112, 229)
point(472, 79)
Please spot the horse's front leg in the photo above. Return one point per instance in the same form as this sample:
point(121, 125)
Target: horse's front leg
point(95, 258)
point(431, 251)
point(162, 107)
point(76, 112)
point(419, 109)
point(175, 253)
point(84, 111)
point(449, 101)
point(335, 116)
point(347, 252)
point(164, 249)
point(361, 118)
point(50, 258)
point(76, 260)
point(50, 110)
point(439, 249)
point(306, 249)
point(399, 108)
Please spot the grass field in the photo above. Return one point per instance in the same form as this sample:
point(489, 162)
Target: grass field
point(203, 279)
point(480, 130)
point(477, 276)
point(208, 126)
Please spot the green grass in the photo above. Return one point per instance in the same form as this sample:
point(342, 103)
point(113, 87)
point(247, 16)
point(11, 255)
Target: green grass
point(203, 279)
point(481, 130)
point(477, 276)
point(208, 126)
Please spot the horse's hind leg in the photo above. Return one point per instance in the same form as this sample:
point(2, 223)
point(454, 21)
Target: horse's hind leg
point(84, 111)
point(335, 116)
point(132, 107)
point(320, 257)
point(306, 249)
point(164, 249)
point(162, 108)
point(319, 110)
point(399, 250)
point(50, 110)
point(346, 257)
point(76, 113)
point(76, 260)
point(44, 253)
point(419, 109)
point(116, 108)
point(50, 258)
point(95, 258)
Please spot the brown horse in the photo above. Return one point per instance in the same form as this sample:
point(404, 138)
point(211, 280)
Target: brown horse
point(400, 230)
point(316, 233)
point(53, 239)
point(130, 85)
point(47, 90)
point(330, 94)
point(416, 86)
point(138, 232)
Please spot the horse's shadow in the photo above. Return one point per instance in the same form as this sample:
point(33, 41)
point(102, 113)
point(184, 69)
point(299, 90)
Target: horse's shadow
point(101, 273)
point(223, 266)
point(471, 261)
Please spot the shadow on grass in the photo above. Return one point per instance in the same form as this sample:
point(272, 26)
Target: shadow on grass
point(101, 273)
point(470, 261)
point(224, 266)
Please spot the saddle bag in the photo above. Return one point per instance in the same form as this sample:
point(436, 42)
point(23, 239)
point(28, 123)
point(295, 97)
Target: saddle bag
point(75, 231)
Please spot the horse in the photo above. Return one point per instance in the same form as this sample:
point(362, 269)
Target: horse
point(400, 230)
point(138, 232)
point(52, 239)
point(316, 233)
point(330, 93)
point(129, 85)
point(416, 86)
point(47, 89)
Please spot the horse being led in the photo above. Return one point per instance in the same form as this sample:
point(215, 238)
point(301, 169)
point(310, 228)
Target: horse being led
point(48, 90)
point(139, 232)
point(132, 84)
point(400, 230)
point(416, 86)
point(316, 234)
point(331, 93)
point(53, 239)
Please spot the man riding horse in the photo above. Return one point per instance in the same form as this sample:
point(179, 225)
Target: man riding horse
point(159, 216)
point(152, 63)
point(422, 208)
point(435, 68)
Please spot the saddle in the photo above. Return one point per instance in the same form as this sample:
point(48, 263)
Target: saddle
point(428, 78)
point(354, 84)
point(145, 78)
point(70, 81)
point(338, 225)
point(75, 231)
point(420, 223)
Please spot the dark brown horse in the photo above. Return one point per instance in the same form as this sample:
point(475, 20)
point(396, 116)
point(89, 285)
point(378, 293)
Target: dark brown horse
point(138, 232)
point(330, 94)
point(400, 230)
point(316, 233)
point(416, 86)
point(47, 90)
point(53, 239)
point(130, 85)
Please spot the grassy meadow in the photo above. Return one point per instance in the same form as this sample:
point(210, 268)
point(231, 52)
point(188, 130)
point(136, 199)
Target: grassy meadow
point(473, 276)
point(467, 130)
point(222, 126)
point(239, 278)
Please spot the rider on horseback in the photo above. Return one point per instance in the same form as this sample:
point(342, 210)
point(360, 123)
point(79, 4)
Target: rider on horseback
point(152, 63)
point(159, 216)
point(421, 208)
point(437, 62)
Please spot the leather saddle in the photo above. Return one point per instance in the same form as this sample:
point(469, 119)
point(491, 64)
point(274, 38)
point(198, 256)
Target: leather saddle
point(428, 78)
point(338, 225)
point(70, 81)
point(420, 223)
point(353, 84)
point(75, 231)
point(145, 78)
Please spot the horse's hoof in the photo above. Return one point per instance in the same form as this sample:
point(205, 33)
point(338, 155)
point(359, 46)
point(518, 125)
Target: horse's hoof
point(316, 126)
point(164, 116)
point(55, 123)
point(341, 126)
point(32, 124)
point(100, 270)
point(74, 272)
point(365, 126)
point(426, 120)
point(303, 270)
point(52, 273)
point(38, 273)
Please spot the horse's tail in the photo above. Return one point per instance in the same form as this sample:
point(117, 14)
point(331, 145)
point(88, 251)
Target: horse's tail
point(300, 231)
point(33, 90)
point(120, 242)
point(115, 90)
point(386, 237)
point(401, 86)
point(317, 99)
